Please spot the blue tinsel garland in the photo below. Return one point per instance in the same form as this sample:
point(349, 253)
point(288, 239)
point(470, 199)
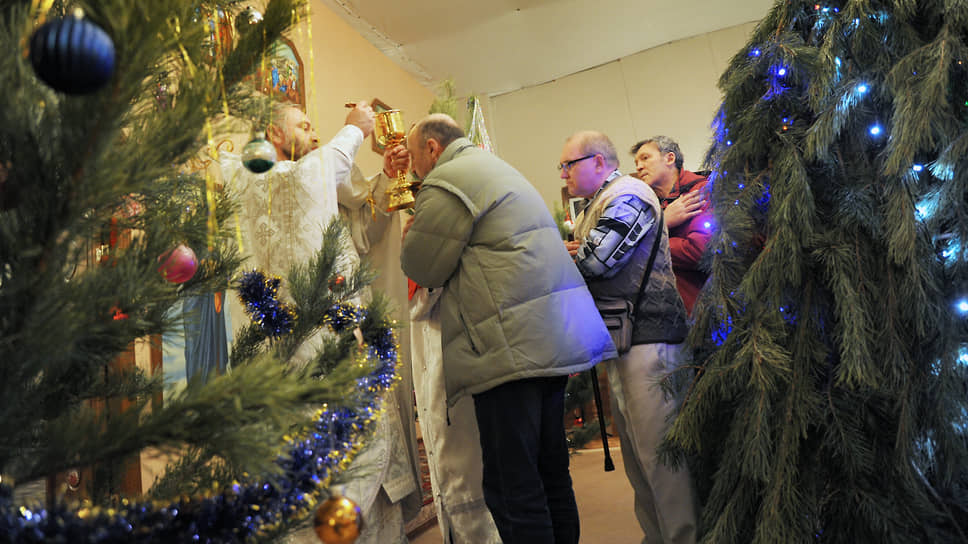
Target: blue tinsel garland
point(246, 510)
point(258, 292)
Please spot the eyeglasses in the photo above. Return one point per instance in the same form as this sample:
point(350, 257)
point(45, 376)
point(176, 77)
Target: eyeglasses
point(568, 164)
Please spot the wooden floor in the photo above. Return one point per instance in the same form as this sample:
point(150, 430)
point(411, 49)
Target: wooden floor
point(604, 501)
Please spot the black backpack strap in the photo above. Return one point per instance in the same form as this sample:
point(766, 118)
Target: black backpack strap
point(648, 267)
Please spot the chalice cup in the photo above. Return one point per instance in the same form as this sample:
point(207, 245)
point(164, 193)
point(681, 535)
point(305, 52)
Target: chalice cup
point(390, 132)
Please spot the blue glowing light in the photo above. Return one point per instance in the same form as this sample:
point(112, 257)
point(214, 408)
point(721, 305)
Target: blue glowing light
point(862, 88)
point(917, 167)
point(707, 225)
point(927, 206)
point(755, 52)
point(952, 251)
point(837, 61)
point(962, 306)
point(729, 142)
point(720, 335)
point(875, 130)
point(788, 316)
point(764, 199)
point(943, 170)
point(741, 186)
point(781, 72)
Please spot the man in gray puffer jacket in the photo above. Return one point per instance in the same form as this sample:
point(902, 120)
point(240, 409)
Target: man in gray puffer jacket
point(516, 319)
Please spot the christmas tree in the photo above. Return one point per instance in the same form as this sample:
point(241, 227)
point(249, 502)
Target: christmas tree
point(581, 425)
point(830, 402)
point(103, 227)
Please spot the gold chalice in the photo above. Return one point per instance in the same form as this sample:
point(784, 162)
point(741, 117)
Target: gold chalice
point(390, 132)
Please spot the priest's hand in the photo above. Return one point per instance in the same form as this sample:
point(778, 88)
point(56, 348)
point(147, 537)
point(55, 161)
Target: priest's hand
point(396, 159)
point(362, 117)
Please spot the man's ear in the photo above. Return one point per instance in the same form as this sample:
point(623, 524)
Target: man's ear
point(274, 135)
point(670, 158)
point(600, 163)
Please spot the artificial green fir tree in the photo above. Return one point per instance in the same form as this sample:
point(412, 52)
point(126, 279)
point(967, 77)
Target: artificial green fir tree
point(96, 131)
point(829, 403)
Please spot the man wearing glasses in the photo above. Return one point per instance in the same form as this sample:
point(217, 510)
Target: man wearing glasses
point(614, 239)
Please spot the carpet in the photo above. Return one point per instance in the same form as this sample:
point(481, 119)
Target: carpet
point(425, 488)
point(427, 516)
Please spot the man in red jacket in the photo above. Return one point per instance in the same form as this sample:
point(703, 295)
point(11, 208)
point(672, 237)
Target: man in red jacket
point(658, 162)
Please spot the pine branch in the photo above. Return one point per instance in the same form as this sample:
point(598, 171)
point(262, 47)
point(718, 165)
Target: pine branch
point(240, 417)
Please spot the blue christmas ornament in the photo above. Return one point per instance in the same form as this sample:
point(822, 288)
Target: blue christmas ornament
point(72, 55)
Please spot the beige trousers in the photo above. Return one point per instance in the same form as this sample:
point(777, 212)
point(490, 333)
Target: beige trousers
point(665, 502)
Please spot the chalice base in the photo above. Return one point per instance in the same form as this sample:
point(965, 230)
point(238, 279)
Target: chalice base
point(399, 195)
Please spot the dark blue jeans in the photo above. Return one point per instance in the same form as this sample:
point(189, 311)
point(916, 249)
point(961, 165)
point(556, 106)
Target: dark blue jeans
point(527, 486)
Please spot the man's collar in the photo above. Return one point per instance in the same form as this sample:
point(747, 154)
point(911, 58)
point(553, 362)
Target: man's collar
point(673, 192)
point(614, 175)
point(452, 149)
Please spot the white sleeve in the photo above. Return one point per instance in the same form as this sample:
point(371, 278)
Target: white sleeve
point(339, 153)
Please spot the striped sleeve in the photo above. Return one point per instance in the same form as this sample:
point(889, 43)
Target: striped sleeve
point(611, 243)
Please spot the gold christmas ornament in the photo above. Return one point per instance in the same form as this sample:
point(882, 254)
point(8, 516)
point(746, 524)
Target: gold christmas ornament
point(338, 521)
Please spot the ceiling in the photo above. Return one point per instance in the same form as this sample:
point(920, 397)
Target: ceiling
point(491, 47)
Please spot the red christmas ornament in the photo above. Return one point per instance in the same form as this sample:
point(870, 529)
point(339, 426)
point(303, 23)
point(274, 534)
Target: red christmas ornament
point(336, 281)
point(118, 314)
point(178, 265)
point(73, 479)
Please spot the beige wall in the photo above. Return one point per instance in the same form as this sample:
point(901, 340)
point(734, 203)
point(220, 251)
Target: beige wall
point(347, 68)
point(625, 99)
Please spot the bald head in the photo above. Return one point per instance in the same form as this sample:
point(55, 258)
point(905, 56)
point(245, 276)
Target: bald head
point(587, 159)
point(438, 126)
point(593, 142)
point(428, 139)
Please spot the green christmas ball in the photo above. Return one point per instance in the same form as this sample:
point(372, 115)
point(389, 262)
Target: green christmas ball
point(258, 155)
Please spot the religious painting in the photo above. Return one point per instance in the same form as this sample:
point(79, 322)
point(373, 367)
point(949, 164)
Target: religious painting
point(199, 349)
point(282, 74)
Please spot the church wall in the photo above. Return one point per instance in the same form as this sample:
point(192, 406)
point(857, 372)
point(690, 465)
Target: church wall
point(670, 90)
point(347, 68)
